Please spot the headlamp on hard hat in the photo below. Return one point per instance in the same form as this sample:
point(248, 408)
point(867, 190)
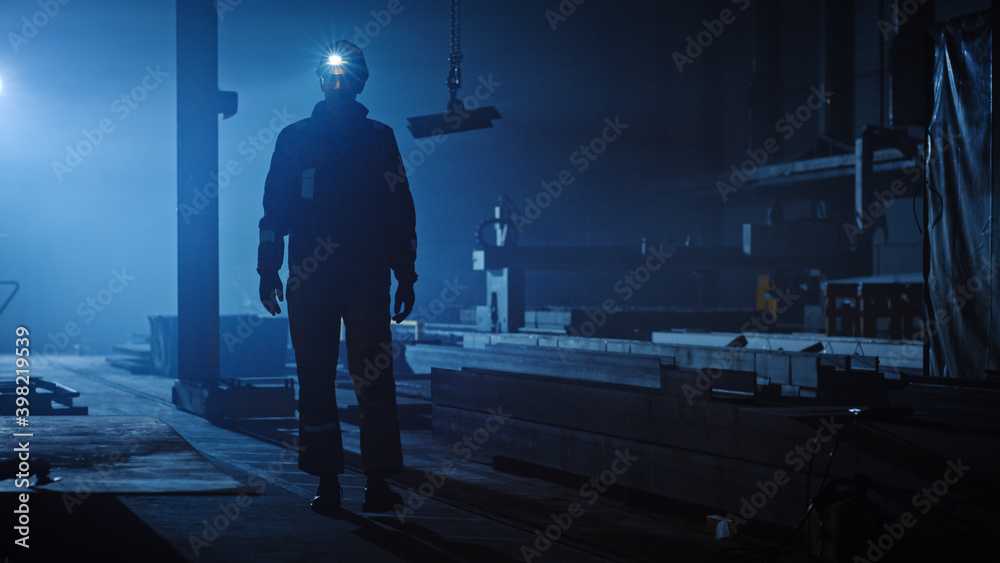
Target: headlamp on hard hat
point(332, 63)
point(344, 63)
point(343, 57)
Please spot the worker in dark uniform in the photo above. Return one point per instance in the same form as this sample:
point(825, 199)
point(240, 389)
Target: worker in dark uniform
point(336, 189)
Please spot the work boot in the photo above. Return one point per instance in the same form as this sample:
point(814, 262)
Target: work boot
point(328, 495)
point(379, 497)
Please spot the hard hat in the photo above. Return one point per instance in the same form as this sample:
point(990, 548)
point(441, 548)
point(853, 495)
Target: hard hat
point(343, 57)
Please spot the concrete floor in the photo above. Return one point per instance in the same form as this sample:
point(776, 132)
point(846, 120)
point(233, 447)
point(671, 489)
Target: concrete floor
point(477, 514)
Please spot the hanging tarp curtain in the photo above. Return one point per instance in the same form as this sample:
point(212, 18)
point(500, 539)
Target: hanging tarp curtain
point(962, 266)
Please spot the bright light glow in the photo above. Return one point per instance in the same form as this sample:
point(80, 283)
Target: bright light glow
point(1, 85)
point(336, 60)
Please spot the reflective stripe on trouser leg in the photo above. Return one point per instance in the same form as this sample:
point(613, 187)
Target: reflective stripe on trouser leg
point(314, 320)
point(321, 445)
point(370, 354)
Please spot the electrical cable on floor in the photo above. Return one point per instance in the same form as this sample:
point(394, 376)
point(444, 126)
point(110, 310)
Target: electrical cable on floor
point(826, 473)
point(787, 546)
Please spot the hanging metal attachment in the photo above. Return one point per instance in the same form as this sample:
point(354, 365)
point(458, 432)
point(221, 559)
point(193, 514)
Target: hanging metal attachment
point(456, 117)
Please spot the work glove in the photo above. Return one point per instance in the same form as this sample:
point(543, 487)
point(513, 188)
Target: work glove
point(404, 300)
point(271, 291)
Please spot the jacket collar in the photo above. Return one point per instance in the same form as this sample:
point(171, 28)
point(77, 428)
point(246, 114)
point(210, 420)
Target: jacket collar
point(354, 111)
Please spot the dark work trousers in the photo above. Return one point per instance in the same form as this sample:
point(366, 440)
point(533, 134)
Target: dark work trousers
point(314, 317)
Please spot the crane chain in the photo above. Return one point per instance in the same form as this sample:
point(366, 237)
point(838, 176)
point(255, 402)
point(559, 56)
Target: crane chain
point(455, 58)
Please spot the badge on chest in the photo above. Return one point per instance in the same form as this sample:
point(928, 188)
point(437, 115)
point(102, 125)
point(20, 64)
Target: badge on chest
point(308, 183)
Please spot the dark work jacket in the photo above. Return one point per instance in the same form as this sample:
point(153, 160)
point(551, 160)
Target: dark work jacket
point(337, 188)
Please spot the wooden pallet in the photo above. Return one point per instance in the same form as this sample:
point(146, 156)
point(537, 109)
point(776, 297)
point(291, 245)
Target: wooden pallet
point(44, 398)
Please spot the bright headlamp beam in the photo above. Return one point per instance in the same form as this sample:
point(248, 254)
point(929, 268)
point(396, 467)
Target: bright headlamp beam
point(335, 60)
